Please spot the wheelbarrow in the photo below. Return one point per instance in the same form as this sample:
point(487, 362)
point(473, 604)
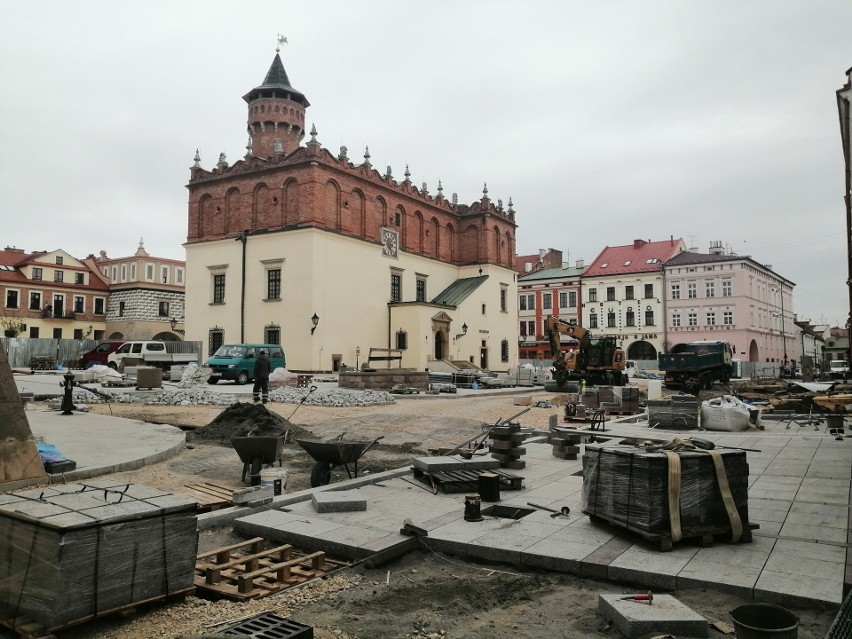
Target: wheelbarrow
point(331, 454)
point(256, 452)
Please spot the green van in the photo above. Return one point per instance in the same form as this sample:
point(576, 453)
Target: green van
point(236, 361)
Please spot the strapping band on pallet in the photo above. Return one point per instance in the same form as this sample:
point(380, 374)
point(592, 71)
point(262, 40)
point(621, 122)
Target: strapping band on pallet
point(724, 489)
point(674, 495)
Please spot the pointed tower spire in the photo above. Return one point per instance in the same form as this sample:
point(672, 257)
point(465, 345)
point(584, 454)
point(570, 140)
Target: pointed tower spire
point(196, 161)
point(484, 190)
point(440, 195)
point(313, 141)
point(407, 179)
point(141, 252)
point(510, 210)
point(367, 156)
point(276, 111)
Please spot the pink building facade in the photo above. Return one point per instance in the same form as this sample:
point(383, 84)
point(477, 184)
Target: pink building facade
point(733, 298)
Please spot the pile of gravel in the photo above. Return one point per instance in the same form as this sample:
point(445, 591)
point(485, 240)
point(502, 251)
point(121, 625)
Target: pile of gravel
point(335, 397)
point(202, 396)
point(244, 419)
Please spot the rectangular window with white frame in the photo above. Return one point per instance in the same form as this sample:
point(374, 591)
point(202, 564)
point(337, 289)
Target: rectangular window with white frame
point(711, 318)
point(728, 318)
point(273, 284)
point(100, 304)
point(710, 289)
point(522, 303)
point(676, 319)
point(133, 271)
point(163, 310)
point(149, 272)
point(693, 318)
point(79, 304)
point(504, 297)
point(420, 292)
point(593, 295)
point(179, 278)
point(691, 290)
point(37, 273)
point(546, 301)
point(572, 299)
point(35, 300)
point(164, 274)
point(727, 288)
point(563, 299)
point(12, 298)
point(124, 272)
point(396, 287)
point(219, 288)
point(58, 276)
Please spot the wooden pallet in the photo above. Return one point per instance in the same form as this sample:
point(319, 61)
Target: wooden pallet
point(465, 481)
point(705, 535)
point(209, 496)
point(26, 628)
point(248, 571)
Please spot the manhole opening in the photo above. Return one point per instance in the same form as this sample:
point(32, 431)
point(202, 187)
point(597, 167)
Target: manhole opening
point(579, 473)
point(507, 512)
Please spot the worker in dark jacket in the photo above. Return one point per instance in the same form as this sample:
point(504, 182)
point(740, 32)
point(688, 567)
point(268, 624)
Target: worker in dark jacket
point(261, 378)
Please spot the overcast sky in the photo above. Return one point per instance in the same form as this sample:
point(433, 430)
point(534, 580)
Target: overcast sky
point(604, 121)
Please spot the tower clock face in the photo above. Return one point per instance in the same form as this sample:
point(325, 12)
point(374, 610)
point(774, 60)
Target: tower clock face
point(390, 242)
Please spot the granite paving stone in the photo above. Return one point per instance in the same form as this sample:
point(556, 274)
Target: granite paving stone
point(821, 533)
point(555, 554)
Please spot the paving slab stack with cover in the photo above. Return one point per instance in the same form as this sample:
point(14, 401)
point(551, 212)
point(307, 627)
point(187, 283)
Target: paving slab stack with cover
point(71, 552)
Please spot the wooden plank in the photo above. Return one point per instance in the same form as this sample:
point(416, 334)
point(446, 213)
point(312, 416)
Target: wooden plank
point(256, 544)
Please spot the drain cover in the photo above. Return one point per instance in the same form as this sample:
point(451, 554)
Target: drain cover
point(269, 626)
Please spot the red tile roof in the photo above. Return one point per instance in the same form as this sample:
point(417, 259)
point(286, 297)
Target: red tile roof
point(18, 259)
point(640, 257)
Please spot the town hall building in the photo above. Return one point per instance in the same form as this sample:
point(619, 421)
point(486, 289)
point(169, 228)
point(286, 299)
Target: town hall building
point(337, 260)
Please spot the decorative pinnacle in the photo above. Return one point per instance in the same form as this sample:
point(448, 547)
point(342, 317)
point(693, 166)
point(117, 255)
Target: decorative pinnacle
point(343, 152)
point(440, 190)
point(367, 155)
point(510, 205)
point(484, 189)
point(407, 175)
point(281, 40)
point(424, 190)
point(248, 147)
point(223, 161)
point(196, 160)
point(313, 139)
point(455, 199)
point(389, 174)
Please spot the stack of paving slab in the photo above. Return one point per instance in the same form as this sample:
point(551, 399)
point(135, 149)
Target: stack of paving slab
point(589, 398)
point(630, 489)
point(71, 552)
point(565, 445)
point(506, 446)
point(679, 412)
point(627, 398)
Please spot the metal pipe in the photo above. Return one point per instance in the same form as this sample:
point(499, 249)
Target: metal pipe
point(243, 237)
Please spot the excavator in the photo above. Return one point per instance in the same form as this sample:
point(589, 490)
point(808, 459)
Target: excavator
point(597, 360)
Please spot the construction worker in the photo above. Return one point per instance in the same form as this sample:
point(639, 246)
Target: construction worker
point(261, 378)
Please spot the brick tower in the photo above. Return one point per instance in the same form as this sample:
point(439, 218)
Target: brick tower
point(276, 114)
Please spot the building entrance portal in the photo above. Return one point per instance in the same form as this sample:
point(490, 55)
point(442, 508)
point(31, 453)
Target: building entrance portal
point(439, 345)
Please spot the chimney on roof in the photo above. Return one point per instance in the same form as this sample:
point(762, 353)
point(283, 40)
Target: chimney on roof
point(716, 248)
point(527, 267)
point(637, 244)
point(552, 258)
point(579, 264)
point(542, 253)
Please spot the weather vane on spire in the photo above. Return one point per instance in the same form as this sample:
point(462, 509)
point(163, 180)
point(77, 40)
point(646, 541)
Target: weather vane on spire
point(281, 40)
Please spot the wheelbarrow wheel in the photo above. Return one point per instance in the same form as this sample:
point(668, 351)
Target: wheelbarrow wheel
point(320, 474)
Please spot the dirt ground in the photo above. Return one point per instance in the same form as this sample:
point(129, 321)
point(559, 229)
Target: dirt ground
point(424, 594)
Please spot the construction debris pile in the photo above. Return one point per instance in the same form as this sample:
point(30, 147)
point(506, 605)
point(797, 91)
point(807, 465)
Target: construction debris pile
point(248, 420)
point(333, 397)
point(202, 396)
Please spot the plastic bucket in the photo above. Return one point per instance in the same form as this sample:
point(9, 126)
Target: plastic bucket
point(764, 621)
point(275, 477)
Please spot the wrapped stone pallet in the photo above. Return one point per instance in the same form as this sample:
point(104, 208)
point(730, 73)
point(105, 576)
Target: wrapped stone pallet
point(630, 488)
point(73, 552)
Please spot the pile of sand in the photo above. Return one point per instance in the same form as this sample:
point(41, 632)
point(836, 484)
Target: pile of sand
point(244, 419)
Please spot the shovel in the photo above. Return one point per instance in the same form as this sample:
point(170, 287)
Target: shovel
point(556, 513)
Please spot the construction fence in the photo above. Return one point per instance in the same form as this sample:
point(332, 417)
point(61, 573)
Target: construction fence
point(24, 351)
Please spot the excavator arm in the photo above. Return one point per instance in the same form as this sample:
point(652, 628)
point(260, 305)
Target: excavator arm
point(556, 327)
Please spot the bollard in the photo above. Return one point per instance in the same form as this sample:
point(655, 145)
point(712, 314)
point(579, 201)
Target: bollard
point(472, 507)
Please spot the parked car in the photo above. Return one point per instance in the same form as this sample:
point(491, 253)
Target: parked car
point(236, 361)
point(99, 354)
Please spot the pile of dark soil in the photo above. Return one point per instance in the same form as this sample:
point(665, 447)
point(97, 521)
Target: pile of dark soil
point(244, 419)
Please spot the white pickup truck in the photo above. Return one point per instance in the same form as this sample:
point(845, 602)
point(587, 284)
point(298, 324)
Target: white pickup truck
point(838, 368)
point(151, 353)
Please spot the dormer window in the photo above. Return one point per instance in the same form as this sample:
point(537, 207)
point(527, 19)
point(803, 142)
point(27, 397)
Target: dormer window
point(627, 263)
point(605, 264)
